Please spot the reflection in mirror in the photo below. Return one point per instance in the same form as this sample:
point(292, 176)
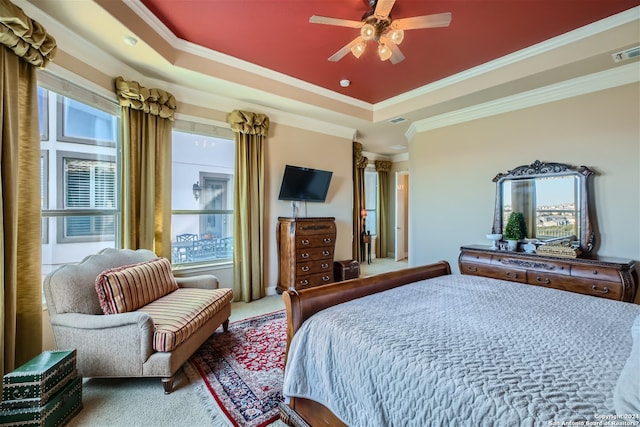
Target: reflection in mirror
point(554, 199)
point(549, 205)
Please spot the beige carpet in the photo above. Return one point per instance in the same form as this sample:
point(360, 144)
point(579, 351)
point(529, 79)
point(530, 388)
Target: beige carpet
point(133, 402)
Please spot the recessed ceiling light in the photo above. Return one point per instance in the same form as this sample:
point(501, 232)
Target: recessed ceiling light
point(130, 40)
point(345, 83)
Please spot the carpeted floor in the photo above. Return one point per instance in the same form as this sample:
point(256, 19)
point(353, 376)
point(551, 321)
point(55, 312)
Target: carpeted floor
point(141, 402)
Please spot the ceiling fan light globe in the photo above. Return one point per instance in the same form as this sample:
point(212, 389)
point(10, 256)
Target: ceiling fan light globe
point(384, 52)
point(358, 49)
point(396, 35)
point(367, 32)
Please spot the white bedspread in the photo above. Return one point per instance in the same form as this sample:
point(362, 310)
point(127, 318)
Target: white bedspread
point(463, 351)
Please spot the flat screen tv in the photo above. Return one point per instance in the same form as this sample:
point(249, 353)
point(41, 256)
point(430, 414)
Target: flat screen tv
point(309, 185)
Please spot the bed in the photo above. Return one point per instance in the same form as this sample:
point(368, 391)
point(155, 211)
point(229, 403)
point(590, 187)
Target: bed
point(422, 347)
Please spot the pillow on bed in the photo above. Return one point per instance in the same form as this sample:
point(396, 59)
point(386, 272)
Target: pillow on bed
point(626, 396)
point(130, 287)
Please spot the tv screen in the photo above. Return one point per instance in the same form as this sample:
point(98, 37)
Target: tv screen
point(310, 185)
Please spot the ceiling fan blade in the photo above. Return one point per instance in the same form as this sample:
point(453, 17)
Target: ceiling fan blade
point(345, 49)
point(315, 19)
point(396, 54)
point(383, 8)
point(425, 21)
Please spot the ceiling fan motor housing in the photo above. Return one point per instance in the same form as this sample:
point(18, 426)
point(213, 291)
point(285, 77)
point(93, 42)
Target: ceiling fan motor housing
point(380, 25)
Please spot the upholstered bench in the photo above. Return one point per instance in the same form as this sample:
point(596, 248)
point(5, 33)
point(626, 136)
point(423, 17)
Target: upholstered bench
point(128, 316)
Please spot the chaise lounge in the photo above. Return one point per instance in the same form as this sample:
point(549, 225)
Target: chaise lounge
point(128, 316)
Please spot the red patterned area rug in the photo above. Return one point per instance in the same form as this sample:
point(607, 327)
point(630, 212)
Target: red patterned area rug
point(242, 370)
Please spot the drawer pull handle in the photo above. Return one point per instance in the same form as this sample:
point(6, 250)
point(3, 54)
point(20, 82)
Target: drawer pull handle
point(304, 282)
point(305, 268)
point(543, 280)
point(604, 290)
point(594, 272)
point(327, 240)
point(511, 275)
point(325, 278)
point(305, 241)
point(304, 255)
point(324, 265)
point(471, 268)
point(325, 253)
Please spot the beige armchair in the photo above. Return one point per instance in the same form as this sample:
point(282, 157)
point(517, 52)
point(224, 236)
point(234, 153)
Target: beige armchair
point(124, 344)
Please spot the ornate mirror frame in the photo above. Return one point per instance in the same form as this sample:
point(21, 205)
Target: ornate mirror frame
point(540, 169)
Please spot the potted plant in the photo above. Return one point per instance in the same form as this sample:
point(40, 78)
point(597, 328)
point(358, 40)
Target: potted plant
point(515, 230)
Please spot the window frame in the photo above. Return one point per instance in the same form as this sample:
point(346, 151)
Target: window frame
point(44, 109)
point(44, 194)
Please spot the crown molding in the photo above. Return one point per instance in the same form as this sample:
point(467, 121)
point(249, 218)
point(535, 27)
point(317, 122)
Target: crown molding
point(618, 76)
point(191, 48)
point(411, 132)
point(99, 59)
point(565, 39)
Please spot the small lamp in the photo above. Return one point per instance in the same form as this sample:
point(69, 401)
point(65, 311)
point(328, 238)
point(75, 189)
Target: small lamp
point(384, 52)
point(367, 32)
point(396, 35)
point(358, 49)
point(363, 214)
point(196, 190)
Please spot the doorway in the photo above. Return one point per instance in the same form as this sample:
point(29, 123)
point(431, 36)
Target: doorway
point(402, 216)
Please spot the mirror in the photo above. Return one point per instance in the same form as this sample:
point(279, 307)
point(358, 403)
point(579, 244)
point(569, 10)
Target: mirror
point(554, 199)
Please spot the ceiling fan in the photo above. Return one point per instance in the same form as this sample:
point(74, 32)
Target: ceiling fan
point(377, 25)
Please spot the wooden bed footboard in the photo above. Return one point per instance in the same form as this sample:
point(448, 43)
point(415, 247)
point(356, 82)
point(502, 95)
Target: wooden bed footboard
point(300, 305)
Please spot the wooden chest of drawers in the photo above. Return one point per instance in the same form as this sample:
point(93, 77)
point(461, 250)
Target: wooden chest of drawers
point(305, 252)
point(602, 277)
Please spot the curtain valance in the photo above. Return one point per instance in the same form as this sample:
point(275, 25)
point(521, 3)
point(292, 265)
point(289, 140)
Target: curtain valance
point(360, 161)
point(383, 165)
point(150, 100)
point(24, 36)
point(248, 123)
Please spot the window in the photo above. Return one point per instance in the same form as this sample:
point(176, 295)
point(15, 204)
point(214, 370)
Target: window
point(88, 183)
point(79, 172)
point(371, 199)
point(202, 195)
point(78, 122)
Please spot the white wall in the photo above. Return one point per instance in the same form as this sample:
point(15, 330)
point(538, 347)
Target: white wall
point(451, 192)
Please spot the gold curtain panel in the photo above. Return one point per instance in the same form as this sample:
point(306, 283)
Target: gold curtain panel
point(248, 123)
point(24, 36)
point(150, 100)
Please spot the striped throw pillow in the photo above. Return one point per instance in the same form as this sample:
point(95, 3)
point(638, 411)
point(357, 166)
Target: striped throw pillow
point(127, 288)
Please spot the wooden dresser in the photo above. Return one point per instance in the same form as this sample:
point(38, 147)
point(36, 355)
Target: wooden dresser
point(305, 252)
point(611, 278)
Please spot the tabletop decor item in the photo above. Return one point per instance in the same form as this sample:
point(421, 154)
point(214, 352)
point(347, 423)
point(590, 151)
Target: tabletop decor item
point(515, 230)
point(494, 239)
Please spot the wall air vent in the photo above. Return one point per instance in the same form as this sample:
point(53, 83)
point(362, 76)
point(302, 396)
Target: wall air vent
point(625, 55)
point(397, 120)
